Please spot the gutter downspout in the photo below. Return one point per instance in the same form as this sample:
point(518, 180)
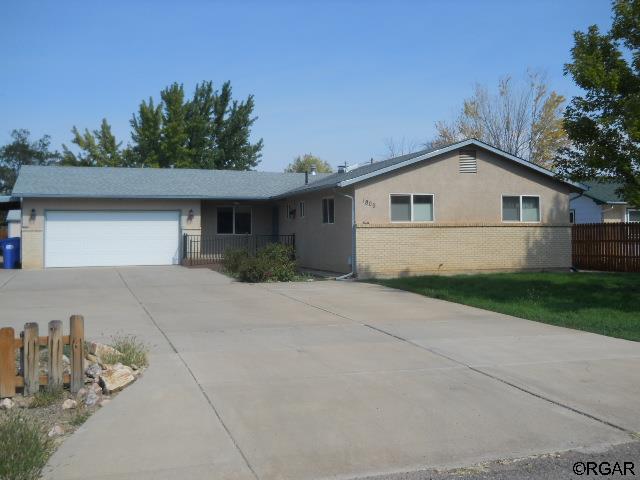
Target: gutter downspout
point(352, 273)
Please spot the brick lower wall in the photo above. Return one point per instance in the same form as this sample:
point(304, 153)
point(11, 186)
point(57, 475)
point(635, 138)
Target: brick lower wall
point(398, 250)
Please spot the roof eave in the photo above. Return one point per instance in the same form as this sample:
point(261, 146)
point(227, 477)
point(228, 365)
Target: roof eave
point(457, 146)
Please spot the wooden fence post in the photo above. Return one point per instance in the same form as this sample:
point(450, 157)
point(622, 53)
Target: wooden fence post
point(31, 358)
point(55, 347)
point(76, 341)
point(7, 362)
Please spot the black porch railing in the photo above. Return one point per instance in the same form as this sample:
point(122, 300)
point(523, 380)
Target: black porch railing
point(203, 250)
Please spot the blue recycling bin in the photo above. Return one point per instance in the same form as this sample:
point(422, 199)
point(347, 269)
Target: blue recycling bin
point(10, 252)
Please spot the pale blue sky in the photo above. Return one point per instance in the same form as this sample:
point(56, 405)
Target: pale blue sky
point(332, 78)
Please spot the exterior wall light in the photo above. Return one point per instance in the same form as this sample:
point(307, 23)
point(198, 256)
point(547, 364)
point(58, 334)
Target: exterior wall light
point(190, 215)
point(32, 217)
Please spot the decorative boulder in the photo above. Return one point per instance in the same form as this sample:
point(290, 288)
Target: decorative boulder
point(69, 404)
point(6, 404)
point(116, 377)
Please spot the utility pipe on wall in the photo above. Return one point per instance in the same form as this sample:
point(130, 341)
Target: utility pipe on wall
point(352, 273)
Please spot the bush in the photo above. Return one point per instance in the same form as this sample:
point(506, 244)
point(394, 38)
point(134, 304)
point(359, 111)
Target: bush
point(233, 257)
point(132, 351)
point(24, 448)
point(273, 263)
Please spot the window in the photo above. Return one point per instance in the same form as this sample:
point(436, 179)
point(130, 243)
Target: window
point(467, 161)
point(572, 215)
point(521, 208)
point(411, 208)
point(291, 211)
point(301, 209)
point(633, 214)
point(242, 221)
point(234, 220)
point(328, 210)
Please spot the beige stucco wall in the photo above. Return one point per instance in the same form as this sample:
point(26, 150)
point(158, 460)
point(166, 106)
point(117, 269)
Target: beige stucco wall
point(33, 229)
point(464, 197)
point(320, 246)
point(467, 233)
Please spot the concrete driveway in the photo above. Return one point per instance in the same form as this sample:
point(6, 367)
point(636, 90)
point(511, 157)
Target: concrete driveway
point(323, 379)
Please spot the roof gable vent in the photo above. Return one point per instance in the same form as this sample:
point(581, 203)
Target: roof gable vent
point(467, 161)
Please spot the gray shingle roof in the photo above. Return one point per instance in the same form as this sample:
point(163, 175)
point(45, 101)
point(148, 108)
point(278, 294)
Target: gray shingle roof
point(99, 182)
point(102, 182)
point(604, 192)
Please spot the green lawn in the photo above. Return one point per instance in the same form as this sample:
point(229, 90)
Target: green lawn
point(605, 303)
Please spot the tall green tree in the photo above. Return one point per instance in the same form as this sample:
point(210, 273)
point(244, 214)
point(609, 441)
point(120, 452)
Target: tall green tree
point(23, 151)
point(97, 148)
point(146, 128)
point(604, 123)
point(209, 130)
point(303, 163)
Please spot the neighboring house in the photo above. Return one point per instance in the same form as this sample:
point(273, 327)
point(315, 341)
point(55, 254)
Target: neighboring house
point(13, 223)
point(464, 207)
point(601, 203)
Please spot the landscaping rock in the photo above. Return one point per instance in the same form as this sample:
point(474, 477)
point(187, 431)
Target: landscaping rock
point(93, 371)
point(101, 350)
point(55, 431)
point(6, 404)
point(69, 404)
point(92, 398)
point(91, 358)
point(116, 377)
point(22, 402)
point(82, 393)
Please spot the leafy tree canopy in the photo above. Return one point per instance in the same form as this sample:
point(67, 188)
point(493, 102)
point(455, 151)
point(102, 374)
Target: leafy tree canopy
point(603, 124)
point(210, 130)
point(303, 163)
point(524, 120)
point(23, 151)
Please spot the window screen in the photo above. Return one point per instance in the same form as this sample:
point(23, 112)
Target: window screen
point(422, 208)
point(530, 209)
point(511, 209)
point(400, 208)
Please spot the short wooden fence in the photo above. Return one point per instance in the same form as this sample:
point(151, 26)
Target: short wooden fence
point(28, 344)
point(4, 232)
point(612, 247)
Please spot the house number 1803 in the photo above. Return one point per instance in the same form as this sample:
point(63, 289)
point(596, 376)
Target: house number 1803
point(368, 203)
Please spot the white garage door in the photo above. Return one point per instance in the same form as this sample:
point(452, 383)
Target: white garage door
point(111, 238)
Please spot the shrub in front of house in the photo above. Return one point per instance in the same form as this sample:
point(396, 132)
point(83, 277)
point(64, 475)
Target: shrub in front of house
point(233, 257)
point(273, 263)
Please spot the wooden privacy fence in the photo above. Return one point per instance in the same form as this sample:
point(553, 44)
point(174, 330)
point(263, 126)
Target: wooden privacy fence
point(28, 344)
point(205, 250)
point(4, 232)
point(612, 247)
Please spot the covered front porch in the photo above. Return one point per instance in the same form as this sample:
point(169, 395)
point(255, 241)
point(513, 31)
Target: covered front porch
point(233, 225)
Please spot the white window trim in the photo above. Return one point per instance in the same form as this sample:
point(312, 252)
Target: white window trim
point(520, 196)
point(301, 207)
point(572, 210)
point(411, 195)
point(322, 211)
point(290, 207)
point(627, 216)
point(233, 207)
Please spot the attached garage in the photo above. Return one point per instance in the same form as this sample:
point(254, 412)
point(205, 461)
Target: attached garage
point(92, 238)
